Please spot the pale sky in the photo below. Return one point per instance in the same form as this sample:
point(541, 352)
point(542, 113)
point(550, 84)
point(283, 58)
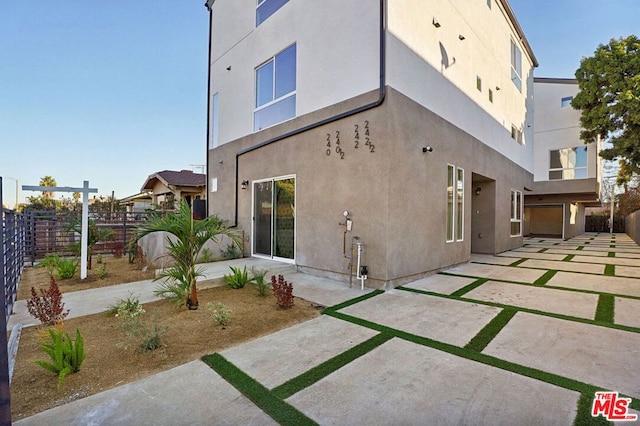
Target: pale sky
point(113, 91)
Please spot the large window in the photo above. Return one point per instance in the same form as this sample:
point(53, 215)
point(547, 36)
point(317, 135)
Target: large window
point(455, 203)
point(267, 8)
point(516, 65)
point(516, 213)
point(276, 89)
point(568, 163)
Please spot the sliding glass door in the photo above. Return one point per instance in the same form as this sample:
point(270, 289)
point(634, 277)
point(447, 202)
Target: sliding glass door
point(274, 218)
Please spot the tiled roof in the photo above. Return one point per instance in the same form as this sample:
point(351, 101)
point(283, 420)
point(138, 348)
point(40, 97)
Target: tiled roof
point(181, 178)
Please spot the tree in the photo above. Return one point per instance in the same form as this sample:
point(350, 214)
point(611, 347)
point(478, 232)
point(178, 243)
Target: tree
point(190, 237)
point(609, 101)
point(47, 181)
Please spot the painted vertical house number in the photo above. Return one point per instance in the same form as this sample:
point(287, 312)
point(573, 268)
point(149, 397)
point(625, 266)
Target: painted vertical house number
point(358, 141)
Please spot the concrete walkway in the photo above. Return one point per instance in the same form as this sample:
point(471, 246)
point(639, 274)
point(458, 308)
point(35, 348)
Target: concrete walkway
point(526, 337)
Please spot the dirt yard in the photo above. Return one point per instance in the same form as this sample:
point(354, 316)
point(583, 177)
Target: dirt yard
point(113, 358)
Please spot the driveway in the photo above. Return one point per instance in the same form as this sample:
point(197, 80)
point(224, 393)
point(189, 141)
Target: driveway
point(526, 337)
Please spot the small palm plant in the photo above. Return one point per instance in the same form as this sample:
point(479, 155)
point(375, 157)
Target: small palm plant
point(190, 237)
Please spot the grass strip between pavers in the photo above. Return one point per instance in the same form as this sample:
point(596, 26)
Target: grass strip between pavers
point(466, 289)
point(545, 277)
point(354, 300)
point(523, 370)
point(320, 371)
point(584, 417)
point(518, 262)
point(611, 254)
point(610, 270)
point(605, 309)
point(275, 407)
point(569, 258)
point(542, 250)
point(580, 248)
point(491, 330)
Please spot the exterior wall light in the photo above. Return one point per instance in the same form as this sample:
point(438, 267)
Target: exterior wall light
point(461, 37)
point(427, 148)
point(244, 184)
point(436, 23)
point(478, 190)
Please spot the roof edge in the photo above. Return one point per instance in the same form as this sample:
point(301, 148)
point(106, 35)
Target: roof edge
point(519, 31)
point(555, 80)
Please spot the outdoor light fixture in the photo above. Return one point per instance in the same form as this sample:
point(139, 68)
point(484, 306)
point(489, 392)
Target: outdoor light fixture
point(461, 37)
point(229, 68)
point(427, 148)
point(478, 190)
point(497, 88)
point(244, 184)
point(436, 23)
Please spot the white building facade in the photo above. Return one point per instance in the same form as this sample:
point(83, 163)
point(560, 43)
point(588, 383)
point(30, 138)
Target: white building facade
point(398, 131)
point(567, 172)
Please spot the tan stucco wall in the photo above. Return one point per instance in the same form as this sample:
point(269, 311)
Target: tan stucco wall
point(396, 195)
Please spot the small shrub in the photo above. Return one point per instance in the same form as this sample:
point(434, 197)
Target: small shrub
point(66, 356)
point(152, 337)
point(99, 258)
point(102, 271)
point(257, 276)
point(127, 308)
point(48, 306)
point(118, 249)
point(221, 314)
point(66, 268)
point(50, 262)
point(206, 256)
point(238, 279)
point(231, 252)
point(131, 248)
point(283, 291)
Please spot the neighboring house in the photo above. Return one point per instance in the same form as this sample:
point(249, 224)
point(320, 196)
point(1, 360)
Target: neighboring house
point(168, 187)
point(137, 203)
point(402, 125)
point(567, 172)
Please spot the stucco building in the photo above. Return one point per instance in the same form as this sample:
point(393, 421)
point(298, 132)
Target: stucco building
point(567, 172)
point(403, 125)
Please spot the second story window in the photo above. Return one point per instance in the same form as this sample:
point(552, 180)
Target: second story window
point(516, 65)
point(267, 8)
point(566, 102)
point(276, 90)
point(568, 163)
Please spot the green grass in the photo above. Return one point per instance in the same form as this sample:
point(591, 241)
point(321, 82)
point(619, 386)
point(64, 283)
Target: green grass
point(542, 250)
point(611, 254)
point(275, 407)
point(610, 270)
point(545, 277)
point(583, 416)
point(354, 300)
point(491, 330)
point(569, 258)
point(605, 309)
point(466, 289)
point(308, 378)
point(580, 248)
point(517, 262)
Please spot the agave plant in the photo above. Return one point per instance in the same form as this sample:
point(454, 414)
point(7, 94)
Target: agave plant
point(190, 237)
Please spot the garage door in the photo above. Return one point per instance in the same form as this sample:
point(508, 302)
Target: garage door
point(543, 221)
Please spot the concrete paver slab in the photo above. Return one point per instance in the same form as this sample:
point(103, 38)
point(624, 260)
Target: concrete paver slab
point(528, 249)
point(628, 271)
point(323, 291)
point(446, 320)
point(563, 266)
point(563, 302)
point(544, 256)
point(495, 260)
point(191, 394)
point(605, 284)
point(497, 272)
point(597, 355)
point(303, 346)
point(567, 251)
point(607, 260)
point(626, 311)
point(438, 283)
point(434, 388)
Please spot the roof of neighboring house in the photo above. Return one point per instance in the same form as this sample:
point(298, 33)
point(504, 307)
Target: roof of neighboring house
point(172, 178)
point(143, 196)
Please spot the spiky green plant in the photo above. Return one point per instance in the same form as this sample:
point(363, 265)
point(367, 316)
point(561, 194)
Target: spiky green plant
point(190, 237)
point(66, 356)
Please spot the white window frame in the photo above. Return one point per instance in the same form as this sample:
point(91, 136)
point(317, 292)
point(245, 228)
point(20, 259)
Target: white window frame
point(516, 65)
point(454, 223)
point(263, 3)
point(275, 100)
point(568, 169)
point(214, 121)
point(516, 208)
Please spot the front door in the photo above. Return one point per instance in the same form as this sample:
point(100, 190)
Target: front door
point(274, 218)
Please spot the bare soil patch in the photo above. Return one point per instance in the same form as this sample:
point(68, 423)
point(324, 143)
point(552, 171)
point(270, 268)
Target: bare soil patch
point(113, 359)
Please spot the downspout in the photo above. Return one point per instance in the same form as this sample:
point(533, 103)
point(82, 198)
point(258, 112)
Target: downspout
point(357, 110)
point(208, 5)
